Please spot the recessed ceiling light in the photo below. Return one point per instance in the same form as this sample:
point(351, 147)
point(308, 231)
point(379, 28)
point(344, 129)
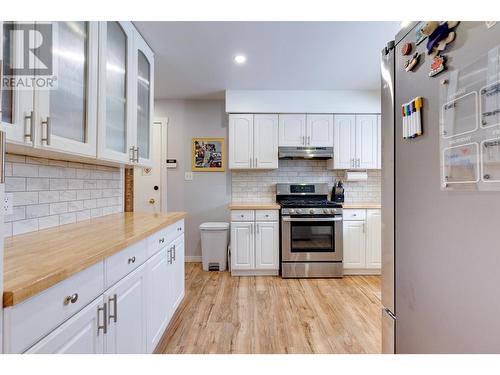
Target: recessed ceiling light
point(240, 59)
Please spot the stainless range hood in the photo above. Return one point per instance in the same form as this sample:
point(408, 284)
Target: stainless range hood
point(321, 153)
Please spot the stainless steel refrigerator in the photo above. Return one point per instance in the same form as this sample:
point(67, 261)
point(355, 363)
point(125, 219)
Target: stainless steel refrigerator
point(441, 248)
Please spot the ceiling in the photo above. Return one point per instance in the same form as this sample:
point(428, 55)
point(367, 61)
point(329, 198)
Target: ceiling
point(194, 60)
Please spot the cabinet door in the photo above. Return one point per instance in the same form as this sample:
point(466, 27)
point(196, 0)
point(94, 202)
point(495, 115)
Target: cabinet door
point(242, 246)
point(292, 130)
point(67, 115)
point(159, 305)
point(266, 141)
point(379, 143)
point(344, 141)
point(17, 116)
point(178, 272)
point(320, 130)
point(354, 244)
point(143, 82)
point(241, 141)
point(267, 245)
point(127, 314)
point(115, 125)
point(373, 239)
point(367, 140)
point(78, 335)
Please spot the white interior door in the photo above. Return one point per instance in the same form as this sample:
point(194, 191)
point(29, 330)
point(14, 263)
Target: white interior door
point(267, 245)
point(354, 244)
point(292, 130)
point(320, 130)
point(242, 246)
point(344, 141)
point(127, 333)
point(241, 141)
point(150, 182)
point(367, 140)
point(266, 141)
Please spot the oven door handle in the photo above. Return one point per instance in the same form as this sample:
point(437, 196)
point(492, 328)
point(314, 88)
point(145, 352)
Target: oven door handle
point(287, 218)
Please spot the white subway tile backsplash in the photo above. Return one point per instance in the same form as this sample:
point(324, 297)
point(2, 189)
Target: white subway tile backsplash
point(260, 186)
point(47, 192)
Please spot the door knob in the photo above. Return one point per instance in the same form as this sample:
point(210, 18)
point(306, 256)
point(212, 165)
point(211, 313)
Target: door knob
point(152, 201)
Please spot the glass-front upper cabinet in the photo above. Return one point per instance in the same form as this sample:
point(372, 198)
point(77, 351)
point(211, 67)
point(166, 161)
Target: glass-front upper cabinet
point(144, 64)
point(116, 127)
point(66, 114)
point(16, 97)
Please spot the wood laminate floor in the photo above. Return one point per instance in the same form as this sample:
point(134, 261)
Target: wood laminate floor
point(224, 314)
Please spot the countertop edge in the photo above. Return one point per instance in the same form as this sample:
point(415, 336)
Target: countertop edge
point(366, 205)
point(253, 206)
point(16, 295)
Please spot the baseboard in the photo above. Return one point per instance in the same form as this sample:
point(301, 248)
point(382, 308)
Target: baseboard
point(361, 271)
point(254, 272)
point(192, 258)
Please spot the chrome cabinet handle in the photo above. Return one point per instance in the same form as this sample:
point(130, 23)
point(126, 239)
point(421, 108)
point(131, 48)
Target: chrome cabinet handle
point(113, 299)
point(257, 227)
point(256, 164)
point(179, 229)
point(131, 152)
point(173, 256)
point(31, 126)
point(161, 240)
point(131, 260)
point(46, 139)
point(170, 255)
point(358, 162)
point(136, 153)
point(303, 142)
point(104, 325)
point(308, 140)
point(71, 299)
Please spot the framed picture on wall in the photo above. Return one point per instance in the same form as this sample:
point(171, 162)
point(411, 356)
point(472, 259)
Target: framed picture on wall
point(208, 155)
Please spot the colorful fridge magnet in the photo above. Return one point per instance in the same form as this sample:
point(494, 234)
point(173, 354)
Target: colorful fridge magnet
point(412, 63)
point(439, 36)
point(437, 66)
point(406, 49)
point(419, 37)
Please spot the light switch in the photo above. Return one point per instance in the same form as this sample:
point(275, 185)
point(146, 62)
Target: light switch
point(188, 176)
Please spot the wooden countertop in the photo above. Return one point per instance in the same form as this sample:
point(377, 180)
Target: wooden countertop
point(362, 205)
point(36, 261)
point(254, 206)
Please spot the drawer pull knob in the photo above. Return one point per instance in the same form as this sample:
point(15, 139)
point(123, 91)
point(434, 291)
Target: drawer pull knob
point(162, 240)
point(242, 215)
point(71, 299)
point(179, 229)
point(131, 260)
point(267, 215)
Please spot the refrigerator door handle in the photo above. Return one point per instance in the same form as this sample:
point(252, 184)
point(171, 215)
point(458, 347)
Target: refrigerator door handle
point(2, 157)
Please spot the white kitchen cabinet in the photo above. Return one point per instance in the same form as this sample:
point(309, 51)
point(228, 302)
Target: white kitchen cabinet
point(356, 142)
point(242, 246)
point(344, 141)
point(379, 128)
point(362, 232)
point(354, 244)
point(266, 243)
point(66, 117)
point(116, 128)
point(373, 239)
point(254, 242)
point(266, 141)
point(253, 141)
point(17, 115)
point(240, 141)
point(127, 320)
point(177, 281)
point(79, 335)
point(319, 132)
point(292, 130)
point(143, 92)
point(158, 297)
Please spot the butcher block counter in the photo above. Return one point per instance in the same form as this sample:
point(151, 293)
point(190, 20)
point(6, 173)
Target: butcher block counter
point(254, 206)
point(368, 205)
point(35, 261)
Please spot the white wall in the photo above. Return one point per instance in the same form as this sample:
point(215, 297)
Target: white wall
point(277, 101)
point(207, 196)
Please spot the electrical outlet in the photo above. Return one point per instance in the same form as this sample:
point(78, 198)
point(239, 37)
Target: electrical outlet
point(7, 204)
point(188, 176)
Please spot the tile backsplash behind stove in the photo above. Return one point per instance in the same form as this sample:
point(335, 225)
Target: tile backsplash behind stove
point(260, 186)
point(47, 193)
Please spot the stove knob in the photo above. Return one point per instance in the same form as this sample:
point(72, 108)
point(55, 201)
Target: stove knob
point(298, 210)
point(292, 211)
point(311, 211)
point(326, 211)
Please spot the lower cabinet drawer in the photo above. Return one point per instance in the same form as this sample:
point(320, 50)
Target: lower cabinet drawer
point(165, 236)
point(267, 215)
point(242, 215)
point(354, 214)
point(26, 323)
point(122, 263)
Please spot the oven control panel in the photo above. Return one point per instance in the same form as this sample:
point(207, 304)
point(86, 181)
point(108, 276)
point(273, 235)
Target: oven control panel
point(312, 211)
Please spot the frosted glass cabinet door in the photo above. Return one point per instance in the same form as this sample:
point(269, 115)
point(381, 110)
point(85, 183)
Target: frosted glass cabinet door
point(16, 105)
point(144, 59)
point(66, 116)
point(115, 134)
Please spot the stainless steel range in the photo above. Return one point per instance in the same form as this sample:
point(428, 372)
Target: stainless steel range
point(311, 231)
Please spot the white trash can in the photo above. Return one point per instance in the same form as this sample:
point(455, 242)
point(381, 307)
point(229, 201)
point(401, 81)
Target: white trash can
point(214, 241)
